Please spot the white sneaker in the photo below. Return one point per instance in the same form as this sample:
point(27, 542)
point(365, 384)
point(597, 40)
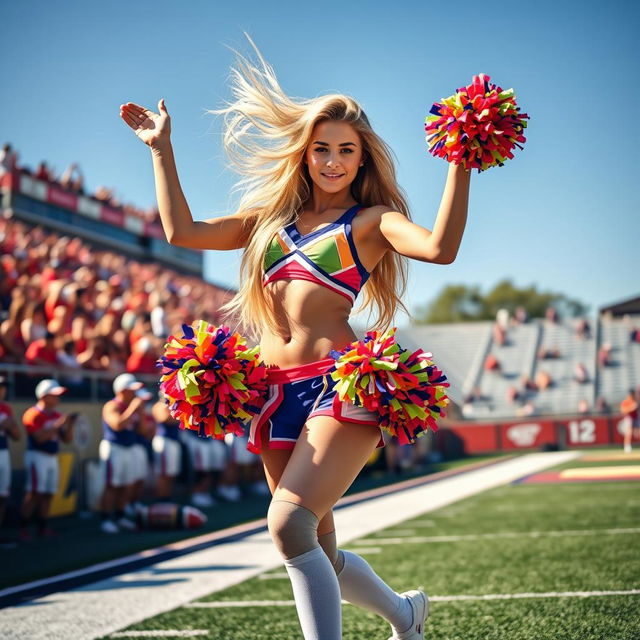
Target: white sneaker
point(109, 526)
point(627, 448)
point(232, 494)
point(419, 602)
point(203, 500)
point(125, 523)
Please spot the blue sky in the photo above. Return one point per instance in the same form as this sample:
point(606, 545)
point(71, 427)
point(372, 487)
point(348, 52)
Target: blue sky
point(564, 214)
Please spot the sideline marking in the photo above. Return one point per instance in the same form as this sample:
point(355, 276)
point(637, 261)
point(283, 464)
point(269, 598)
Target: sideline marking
point(487, 596)
point(86, 575)
point(506, 534)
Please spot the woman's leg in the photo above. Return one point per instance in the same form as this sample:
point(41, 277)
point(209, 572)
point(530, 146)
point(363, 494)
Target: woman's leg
point(359, 584)
point(327, 457)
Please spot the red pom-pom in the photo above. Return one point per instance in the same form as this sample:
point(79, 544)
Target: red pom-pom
point(477, 127)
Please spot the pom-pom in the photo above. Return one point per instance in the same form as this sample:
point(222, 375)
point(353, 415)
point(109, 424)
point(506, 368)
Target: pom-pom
point(211, 381)
point(406, 389)
point(477, 126)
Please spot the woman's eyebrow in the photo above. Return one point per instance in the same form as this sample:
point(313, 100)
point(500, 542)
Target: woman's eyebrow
point(342, 144)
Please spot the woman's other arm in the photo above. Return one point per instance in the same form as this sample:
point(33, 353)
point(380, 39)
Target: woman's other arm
point(154, 129)
point(440, 245)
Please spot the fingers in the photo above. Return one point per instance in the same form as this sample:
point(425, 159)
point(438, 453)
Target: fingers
point(133, 122)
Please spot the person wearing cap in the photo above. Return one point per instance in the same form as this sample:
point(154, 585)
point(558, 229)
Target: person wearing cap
point(142, 455)
point(8, 428)
point(45, 426)
point(120, 417)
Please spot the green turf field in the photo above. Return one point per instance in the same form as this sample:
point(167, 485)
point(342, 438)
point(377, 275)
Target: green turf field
point(81, 543)
point(552, 539)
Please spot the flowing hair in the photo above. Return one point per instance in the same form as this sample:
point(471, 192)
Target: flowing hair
point(265, 136)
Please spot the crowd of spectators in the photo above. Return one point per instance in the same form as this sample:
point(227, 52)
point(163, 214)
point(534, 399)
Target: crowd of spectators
point(72, 179)
point(64, 303)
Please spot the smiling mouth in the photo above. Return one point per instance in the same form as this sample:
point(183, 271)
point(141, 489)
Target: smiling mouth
point(332, 176)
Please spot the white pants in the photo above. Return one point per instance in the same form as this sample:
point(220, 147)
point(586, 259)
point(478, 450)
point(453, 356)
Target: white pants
point(140, 462)
point(117, 464)
point(207, 454)
point(42, 471)
point(5, 472)
point(166, 456)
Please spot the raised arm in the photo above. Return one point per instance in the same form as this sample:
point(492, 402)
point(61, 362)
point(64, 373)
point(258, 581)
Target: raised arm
point(440, 245)
point(223, 233)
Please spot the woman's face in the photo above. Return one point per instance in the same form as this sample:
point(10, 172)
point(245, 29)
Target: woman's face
point(334, 155)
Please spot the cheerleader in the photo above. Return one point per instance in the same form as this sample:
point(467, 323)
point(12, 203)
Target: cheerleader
point(321, 218)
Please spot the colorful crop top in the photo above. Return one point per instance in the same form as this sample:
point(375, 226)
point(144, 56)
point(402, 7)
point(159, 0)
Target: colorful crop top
point(327, 256)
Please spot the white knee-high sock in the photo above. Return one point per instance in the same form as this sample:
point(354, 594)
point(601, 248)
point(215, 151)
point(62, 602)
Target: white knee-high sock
point(362, 586)
point(317, 595)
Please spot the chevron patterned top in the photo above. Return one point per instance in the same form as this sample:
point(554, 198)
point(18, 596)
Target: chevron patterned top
point(327, 256)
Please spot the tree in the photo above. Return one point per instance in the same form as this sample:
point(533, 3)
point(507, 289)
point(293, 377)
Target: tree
point(465, 303)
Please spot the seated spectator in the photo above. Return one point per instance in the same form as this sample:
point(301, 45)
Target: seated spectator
point(499, 334)
point(502, 318)
point(604, 355)
point(521, 315)
point(634, 335)
point(68, 181)
point(143, 357)
point(43, 172)
point(512, 394)
point(8, 159)
point(543, 380)
point(67, 359)
point(583, 329)
point(42, 351)
point(583, 406)
point(602, 406)
point(34, 323)
point(580, 373)
point(548, 353)
point(528, 384)
point(96, 355)
point(491, 363)
point(551, 314)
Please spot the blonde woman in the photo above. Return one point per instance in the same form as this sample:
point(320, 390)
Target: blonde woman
point(320, 219)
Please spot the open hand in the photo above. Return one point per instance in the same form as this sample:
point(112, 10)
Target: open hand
point(152, 128)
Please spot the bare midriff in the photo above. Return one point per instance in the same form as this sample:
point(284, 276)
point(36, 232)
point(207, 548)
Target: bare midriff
point(312, 320)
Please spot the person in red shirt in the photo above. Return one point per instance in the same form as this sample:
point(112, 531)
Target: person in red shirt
point(630, 422)
point(42, 351)
point(8, 427)
point(45, 426)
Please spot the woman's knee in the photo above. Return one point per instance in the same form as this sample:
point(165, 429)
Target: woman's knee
point(293, 528)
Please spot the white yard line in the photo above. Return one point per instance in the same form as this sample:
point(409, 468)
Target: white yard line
point(224, 604)
point(109, 605)
point(492, 536)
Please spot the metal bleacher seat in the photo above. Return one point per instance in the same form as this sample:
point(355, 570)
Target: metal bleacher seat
point(456, 349)
point(624, 372)
point(565, 392)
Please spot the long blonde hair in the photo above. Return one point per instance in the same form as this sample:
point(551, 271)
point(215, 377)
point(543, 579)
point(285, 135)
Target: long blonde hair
point(265, 137)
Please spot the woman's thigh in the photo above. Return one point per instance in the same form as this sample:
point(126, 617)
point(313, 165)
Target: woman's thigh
point(274, 462)
point(326, 459)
